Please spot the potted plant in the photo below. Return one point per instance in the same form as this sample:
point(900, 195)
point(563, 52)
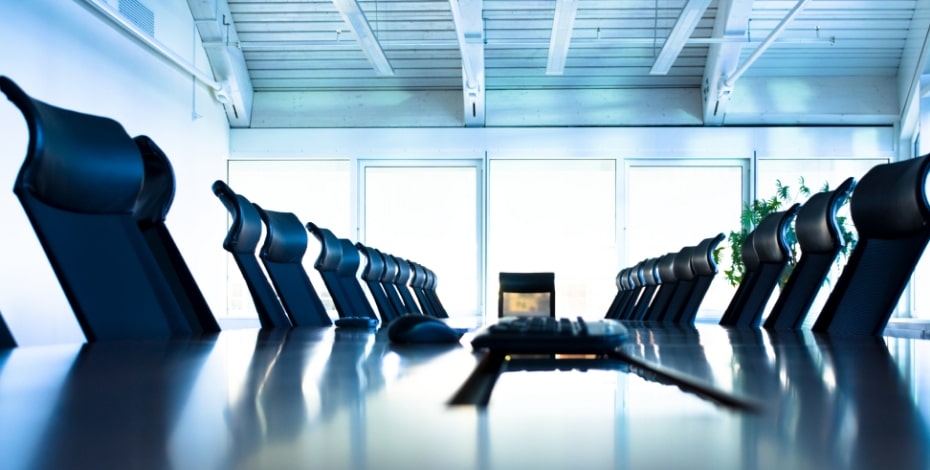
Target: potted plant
point(755, 211)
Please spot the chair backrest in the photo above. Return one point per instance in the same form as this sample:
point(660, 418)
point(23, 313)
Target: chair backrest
point(622, 292)
point(705, 269)
point(770, 245)
point(6, 338)
point(418, 283)
point(282, 255)
point(687, 280)
point(666, 288)
point(635, 282)
point(892, 217)
point(338, 264)
point(387, 281)
point(241, 241)
point(650, 283)
point(402, 281)
point(327, 264)
point(150, 211)
point(820, 240)
point(349, 262)
point(432, 280)
point(371, 275)
point(540, 286)
point(78, 186)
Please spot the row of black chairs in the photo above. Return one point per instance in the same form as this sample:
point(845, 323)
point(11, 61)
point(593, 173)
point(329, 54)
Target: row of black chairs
point(97, 200)
point(290, 299)
point(891, 215)
point(669, 288)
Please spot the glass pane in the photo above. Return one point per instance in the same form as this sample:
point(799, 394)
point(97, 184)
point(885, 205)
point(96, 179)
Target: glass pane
point(317, 191)
point(817, 174)
point(670, 207)
point(523, 303)
point(429, 215)
point(555, 216)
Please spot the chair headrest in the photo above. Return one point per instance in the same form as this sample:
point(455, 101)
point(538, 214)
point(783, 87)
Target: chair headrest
point(331, 249)
point(418, 279)
point(286, 241)
point(349, 260)
point(375, 265)
point(769, 239)
point(702, 257)
point(816, 226)
point(390, 268)
point(76, 162)
point(891, 200)
point(650, 273)
point(682, 264)
point(246, 228)
point(158, 185)
point(666, 268)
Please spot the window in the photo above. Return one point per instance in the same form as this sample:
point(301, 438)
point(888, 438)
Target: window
point(428, 213)
point(555, 216)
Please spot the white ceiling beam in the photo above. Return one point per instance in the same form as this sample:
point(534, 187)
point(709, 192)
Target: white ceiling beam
point(766, 43)
point(720, 78)
point(469, 30)
point(914, 84)
point(723, 57)
point(353, 15)
point(221, 44)
point(684, 27)
point(563, 23)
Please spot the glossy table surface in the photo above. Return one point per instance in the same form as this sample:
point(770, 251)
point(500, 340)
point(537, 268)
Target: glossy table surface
point(332, 398)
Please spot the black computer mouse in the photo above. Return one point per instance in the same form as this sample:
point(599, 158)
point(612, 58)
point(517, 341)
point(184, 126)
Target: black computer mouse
point(421, 329)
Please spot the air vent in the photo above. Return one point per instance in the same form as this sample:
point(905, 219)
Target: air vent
point(141, 16)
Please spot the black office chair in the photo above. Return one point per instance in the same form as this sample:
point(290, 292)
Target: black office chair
point(349, 262)
point(241, 241)
point(6, 338)
point(705, 270)
point(770, 248)
point(892, 217)
point(635, 282)
point(78, 185)
point(282, 255)
point(620, 296)
point(327, 263)
point(335, 267)
point(432, 281)
point(418, 283)
point(665, 289)
point(687, 281)
point(150, 211)
point(820, 240)
point(650, 283)
point(371, 275)
point(402, 283)
point(541, 286)
point(388, 277)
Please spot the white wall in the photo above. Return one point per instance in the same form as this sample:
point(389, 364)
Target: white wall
point(562, 142)
point(62, 53)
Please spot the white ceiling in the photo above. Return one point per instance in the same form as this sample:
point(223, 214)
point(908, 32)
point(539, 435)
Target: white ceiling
point(494, 53)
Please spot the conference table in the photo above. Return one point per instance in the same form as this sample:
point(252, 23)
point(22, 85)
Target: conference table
point(333, 398)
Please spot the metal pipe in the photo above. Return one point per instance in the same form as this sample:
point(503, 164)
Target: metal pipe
point(728, 81)
point(114, 16)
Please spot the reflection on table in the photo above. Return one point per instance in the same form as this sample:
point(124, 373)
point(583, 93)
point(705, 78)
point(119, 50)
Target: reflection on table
point(328, 398)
